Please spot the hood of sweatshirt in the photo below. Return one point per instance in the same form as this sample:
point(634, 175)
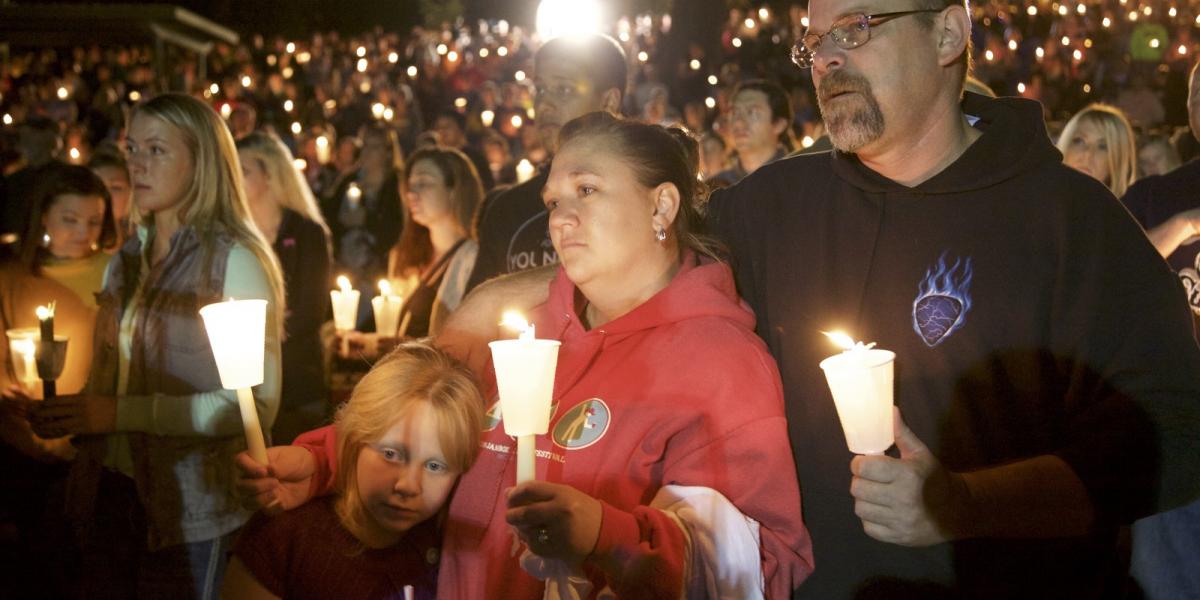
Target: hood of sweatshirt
point(1014, 140)
point(701, 289)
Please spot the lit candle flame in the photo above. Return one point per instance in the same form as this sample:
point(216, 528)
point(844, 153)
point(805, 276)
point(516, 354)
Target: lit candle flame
point(845, 342)
point(45, 312)
point(385, 288)
point(513, 320)
point(344, 283)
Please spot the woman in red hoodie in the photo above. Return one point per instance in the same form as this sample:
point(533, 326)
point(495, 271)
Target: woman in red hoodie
point(668, 430)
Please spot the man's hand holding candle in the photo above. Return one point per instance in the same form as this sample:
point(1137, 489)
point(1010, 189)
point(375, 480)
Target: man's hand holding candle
point(912, 500)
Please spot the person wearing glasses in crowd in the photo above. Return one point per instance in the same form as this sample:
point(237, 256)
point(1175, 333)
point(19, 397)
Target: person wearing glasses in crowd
point(946, 228)
point(1046, 362)
point(760, 123)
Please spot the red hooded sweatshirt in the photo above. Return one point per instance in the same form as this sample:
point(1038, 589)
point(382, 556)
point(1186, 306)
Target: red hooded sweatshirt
point(677, 391)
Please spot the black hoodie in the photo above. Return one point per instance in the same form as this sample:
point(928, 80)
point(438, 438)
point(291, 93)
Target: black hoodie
point(1029, 315)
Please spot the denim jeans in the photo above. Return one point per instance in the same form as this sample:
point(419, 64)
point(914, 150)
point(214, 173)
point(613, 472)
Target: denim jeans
point(1165, 551)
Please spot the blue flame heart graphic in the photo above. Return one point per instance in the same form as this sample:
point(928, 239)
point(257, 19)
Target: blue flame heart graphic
point(943, 299)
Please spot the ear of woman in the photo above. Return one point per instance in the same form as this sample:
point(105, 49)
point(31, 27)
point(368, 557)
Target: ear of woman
point(666, 206)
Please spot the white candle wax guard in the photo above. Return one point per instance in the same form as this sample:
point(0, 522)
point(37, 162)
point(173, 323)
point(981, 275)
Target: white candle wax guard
point(387, 310)
point(237, 334)
point(345, 308)
point(22, 350)
point(525, 378)
point(862, 384)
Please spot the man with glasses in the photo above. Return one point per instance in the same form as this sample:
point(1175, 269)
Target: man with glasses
point(573, 76)
point(760, 123)
point(1045, 367)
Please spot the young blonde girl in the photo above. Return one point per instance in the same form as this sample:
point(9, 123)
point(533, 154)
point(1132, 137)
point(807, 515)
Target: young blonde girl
point(410, 429)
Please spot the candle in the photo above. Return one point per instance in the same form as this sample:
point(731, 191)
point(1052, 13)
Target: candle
point(387, 309)
point(525, 377)
point(22, 350)
point(524, 170)
point(45, 315)
point(237, 333)
point(354, 194)
point(52, 360)
point(323, 150)
point(860, 379)
point(345, 305)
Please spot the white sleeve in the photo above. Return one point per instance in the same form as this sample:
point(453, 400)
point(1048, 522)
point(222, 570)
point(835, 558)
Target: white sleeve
point(723, 556)
point(721, 545)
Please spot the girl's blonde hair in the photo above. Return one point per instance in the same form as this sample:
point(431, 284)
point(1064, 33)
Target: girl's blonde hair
point(1118, 137)
point(285, 181)
point(413, 374)
point(215, 200)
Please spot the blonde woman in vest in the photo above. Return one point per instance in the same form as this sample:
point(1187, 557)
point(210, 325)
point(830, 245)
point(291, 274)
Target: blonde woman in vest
point(286, 213)
point(152, 490)
point(1098, 141)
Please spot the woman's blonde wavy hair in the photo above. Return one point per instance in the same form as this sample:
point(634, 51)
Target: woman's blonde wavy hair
point(215, 200)
point(285, 181)
point(413, 374)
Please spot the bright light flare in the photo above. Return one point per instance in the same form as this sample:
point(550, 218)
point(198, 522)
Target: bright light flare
point(556, 18)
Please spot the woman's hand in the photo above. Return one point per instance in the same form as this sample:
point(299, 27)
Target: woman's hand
point(75, 414)
point(555, 520)
point(283, 484)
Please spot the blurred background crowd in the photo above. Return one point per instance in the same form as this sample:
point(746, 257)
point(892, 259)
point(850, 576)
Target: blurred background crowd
point(468, 84)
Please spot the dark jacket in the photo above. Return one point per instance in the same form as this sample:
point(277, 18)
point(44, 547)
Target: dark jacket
point(513, 231)
point(1029, 316)
point(303, 250)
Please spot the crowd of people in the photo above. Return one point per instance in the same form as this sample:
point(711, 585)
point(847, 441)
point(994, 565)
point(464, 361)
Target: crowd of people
point(1047, 366)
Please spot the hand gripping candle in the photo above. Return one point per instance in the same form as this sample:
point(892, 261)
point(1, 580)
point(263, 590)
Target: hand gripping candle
point(861, 381)
point(525, 377)
point(237, 334)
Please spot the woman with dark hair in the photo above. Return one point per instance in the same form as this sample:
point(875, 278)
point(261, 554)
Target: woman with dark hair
point(61, 261)
point(364, 214)
point(668, 408)
point(431, 262)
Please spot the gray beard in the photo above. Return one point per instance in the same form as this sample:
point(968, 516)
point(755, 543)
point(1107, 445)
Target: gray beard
point(854, 126)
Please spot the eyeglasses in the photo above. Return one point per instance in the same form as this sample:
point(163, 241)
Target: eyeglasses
point(847, 33)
